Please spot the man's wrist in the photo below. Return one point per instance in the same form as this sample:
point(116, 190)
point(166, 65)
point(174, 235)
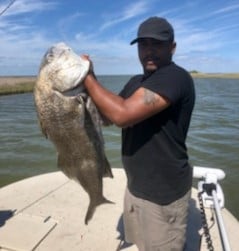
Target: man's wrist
point(89, 79)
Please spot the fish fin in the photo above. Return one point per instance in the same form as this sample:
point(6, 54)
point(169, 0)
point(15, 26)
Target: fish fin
point(107, 169)
point(95, 117)
point(105, 122)
point(92, 207)
point(41, 124)
point(80, 99)
point(43, 129)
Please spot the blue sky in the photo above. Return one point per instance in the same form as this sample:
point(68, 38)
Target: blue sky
point(206, 32)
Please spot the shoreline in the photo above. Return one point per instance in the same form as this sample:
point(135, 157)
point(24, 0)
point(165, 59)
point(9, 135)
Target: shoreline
point(16, 84)
point(216, 75)
point(24, 84)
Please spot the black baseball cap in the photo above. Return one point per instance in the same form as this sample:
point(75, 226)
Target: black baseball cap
point(157, 28)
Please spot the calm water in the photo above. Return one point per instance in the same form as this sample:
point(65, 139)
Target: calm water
point(212, 141)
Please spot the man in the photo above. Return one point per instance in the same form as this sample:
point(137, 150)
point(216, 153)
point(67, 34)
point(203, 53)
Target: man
point(154, 109)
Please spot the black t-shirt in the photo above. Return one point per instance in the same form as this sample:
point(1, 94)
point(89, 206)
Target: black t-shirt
point(154, 152)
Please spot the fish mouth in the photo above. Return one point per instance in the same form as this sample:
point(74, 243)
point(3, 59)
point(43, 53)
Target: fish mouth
point(75, 91)
point(78, 86)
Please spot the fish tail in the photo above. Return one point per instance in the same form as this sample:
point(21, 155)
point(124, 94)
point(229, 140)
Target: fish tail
point(92, 207)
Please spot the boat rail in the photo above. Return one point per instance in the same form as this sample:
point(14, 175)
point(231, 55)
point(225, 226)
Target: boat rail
point(212, 196)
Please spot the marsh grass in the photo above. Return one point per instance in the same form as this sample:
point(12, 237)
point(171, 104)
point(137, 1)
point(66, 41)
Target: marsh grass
point(20, 88)
point(15, 85)
point(215, 75)
point(23, 84)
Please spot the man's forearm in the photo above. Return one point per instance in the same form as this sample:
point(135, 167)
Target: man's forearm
point(109, 104)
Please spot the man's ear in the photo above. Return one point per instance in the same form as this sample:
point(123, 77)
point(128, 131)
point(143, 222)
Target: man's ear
point(173, 48)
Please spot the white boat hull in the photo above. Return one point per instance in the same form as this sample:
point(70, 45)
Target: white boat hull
point(48, 214)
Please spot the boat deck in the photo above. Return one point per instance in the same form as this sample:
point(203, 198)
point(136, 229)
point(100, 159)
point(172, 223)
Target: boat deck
point(46, 213)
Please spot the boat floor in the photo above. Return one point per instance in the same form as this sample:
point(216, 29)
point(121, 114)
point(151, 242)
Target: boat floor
point(46, 213)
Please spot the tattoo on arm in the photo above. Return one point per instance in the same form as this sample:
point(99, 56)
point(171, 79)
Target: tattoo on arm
point(150, 97)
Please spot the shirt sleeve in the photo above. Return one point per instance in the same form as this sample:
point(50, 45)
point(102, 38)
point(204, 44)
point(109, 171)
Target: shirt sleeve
point(168, 82)
point(132, 85)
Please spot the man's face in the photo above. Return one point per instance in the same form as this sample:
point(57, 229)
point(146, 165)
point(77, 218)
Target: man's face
point(154, 54)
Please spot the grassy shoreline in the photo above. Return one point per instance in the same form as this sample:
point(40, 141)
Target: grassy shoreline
point(216, 75)
point(23, 84)
point(16, 84)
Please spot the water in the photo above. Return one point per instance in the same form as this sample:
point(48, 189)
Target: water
point(212, 140)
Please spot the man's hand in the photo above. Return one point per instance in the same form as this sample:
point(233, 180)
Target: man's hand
point(91, 69)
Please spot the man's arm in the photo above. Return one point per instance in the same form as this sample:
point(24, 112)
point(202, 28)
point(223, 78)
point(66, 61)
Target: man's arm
point(125, 112)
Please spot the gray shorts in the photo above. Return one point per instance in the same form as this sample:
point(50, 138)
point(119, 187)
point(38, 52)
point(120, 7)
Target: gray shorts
point(153, 227)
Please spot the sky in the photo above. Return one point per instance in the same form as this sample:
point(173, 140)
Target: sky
point(206, 33)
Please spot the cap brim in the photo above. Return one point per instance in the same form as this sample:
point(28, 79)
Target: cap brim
point(134, 41)
point(160, 38)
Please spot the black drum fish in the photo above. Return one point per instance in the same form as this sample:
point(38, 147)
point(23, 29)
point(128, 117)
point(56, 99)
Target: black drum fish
point(72, 123)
